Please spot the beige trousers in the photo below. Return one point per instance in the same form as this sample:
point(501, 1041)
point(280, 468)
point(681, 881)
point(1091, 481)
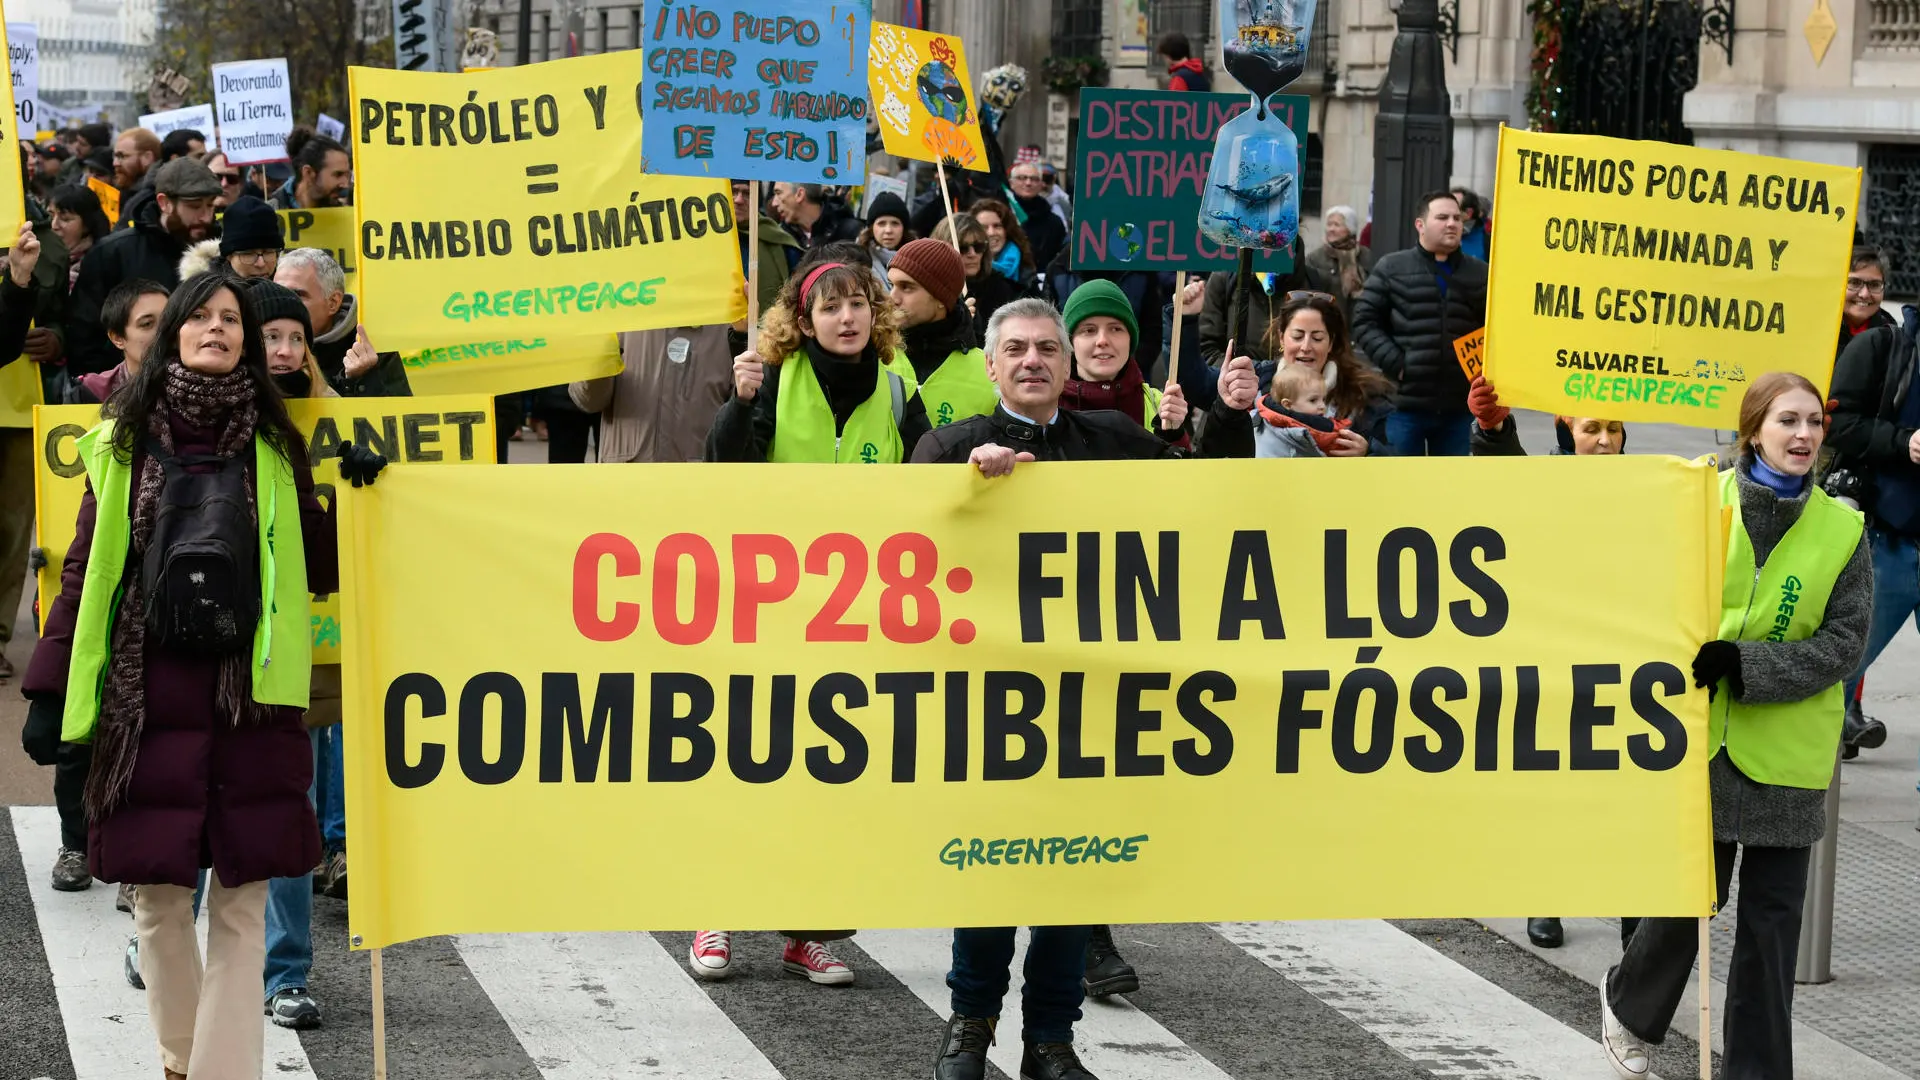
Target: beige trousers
point(211, 1023)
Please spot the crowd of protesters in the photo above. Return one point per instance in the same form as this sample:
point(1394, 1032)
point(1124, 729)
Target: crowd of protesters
point(945, 328)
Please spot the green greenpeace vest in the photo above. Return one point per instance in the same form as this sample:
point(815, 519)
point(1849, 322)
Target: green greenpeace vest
point(958, 389)
point(803, 421)
point(1791, 743)
point(282, 642)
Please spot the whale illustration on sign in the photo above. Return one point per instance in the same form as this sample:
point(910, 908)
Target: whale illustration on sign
point(1253, 196)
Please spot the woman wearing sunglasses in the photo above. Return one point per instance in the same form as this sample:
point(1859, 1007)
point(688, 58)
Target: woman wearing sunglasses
point(233, 183)
point(987, 292)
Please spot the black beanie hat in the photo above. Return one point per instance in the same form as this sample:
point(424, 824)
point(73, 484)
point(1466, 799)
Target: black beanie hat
point(273, 300)
point(250, 225)
point(887, 204)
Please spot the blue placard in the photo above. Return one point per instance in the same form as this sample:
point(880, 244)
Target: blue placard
point(757, 89)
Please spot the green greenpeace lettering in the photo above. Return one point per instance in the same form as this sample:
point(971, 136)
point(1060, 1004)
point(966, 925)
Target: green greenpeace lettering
point(579, 299)
point(1040, 851)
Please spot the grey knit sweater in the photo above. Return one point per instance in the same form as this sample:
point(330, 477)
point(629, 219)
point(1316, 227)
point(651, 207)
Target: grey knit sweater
point(1765, 815)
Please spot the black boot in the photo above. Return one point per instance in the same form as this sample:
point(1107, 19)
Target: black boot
point(963, 1051)
point(1546, 933)
point(1860, 732)
point(1107, 972)
point(1052, 1061)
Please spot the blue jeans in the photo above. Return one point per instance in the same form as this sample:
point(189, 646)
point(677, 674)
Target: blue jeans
point(330, 788)
point(290, 915)
point(1051, 994)
point(1896, 596)
point(1419, 433)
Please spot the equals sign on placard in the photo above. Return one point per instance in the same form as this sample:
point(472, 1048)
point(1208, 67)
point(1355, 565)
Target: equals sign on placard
point(543, 170)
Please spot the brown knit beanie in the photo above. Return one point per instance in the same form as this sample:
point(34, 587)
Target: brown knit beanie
point(936, 266)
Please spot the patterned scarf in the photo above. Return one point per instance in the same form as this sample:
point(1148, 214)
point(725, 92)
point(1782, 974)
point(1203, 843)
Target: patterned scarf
point(1346, 264)
point(223, 402)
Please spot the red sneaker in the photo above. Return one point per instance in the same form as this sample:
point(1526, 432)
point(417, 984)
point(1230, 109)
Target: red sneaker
point(711, 956)
point(811, 958)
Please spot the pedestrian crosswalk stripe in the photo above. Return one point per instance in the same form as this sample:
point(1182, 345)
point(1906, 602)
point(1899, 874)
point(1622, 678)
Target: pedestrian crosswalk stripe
point(109, 1035)
point(599, 1006)
point(1115, 1040)
point(1442, 1017)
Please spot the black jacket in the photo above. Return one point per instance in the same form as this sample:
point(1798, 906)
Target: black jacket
point(744, 430)
point(1262, 308)
point(990, 293)
point(1045, 231)
point(1871, 381)
point(1102, 435)
point(1880, 318)
point(834, 223)
point(330, 344)
point(145, 250)
point(1407, 329)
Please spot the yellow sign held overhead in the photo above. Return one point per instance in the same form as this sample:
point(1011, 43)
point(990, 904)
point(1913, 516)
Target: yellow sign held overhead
point(1030, 704)
point(553, 231)
point(1647, 281)
point(924, 97)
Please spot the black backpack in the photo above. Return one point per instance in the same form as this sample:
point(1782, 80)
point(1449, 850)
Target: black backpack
point(202, 566)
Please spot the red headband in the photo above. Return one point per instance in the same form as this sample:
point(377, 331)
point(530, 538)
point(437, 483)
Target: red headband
point(806, 286)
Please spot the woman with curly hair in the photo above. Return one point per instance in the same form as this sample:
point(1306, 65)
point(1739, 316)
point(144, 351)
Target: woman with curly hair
point(815, 389)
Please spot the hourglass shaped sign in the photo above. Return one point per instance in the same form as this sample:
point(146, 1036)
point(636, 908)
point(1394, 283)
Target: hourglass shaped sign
point(1253, 190)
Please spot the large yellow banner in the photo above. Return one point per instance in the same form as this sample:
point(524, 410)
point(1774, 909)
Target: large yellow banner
point(552, 230)
point(1651, 281)
point(1020, 701)
point(505, 367)
point(426, 431)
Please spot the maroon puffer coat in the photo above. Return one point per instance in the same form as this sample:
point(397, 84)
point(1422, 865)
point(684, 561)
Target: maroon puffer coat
point(204, 792)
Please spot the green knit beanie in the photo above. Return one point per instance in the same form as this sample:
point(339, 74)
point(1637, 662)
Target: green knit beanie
point(1100, 297)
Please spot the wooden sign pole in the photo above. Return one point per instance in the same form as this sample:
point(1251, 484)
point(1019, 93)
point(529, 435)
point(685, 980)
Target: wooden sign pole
point(379, 1020)
point(753, 265)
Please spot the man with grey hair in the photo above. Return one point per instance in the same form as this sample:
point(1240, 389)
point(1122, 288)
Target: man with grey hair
point(317, 279)
point(1028, 356)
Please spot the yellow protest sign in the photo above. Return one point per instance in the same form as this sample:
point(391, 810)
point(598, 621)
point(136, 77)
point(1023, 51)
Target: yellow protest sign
point(552, 231)
point(1021, 701)
point(1647, 281)
point(419, 430)
point(505, 367)
point(109, 197)
point(1470, 349)
point(924, 97)
point(20, 393)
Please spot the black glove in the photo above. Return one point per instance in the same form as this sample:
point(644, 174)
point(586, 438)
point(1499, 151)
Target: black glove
point(359, 464)
point(40, 736)
point(1718, 660)
point(36, 559)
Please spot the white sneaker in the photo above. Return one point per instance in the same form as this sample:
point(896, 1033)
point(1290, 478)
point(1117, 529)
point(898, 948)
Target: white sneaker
point(1630, 1058)
point(810, 958)
point(711, 956)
